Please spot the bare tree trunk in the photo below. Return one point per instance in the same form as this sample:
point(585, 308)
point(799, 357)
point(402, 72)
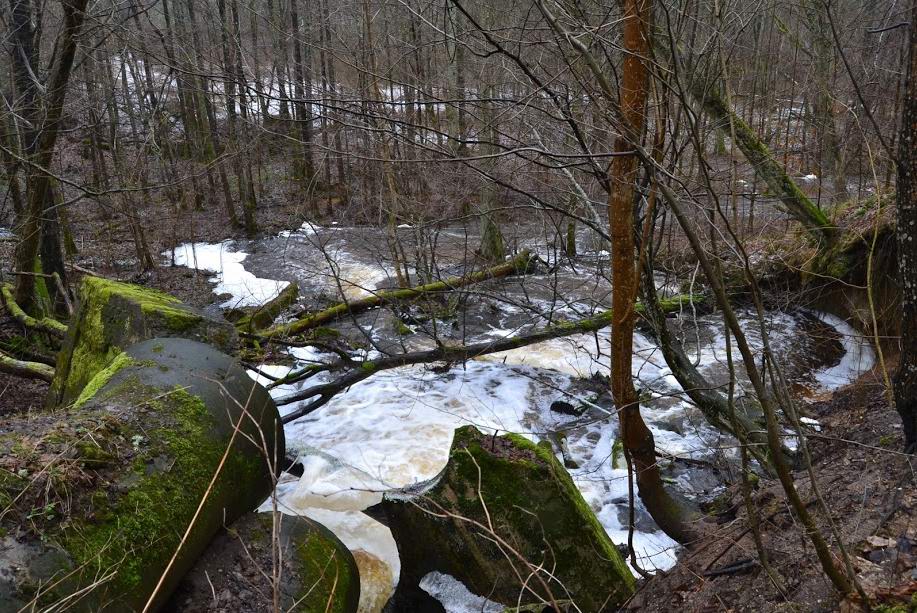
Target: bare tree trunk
point(830, 155)
point(635, 435)
point(30, 229)
point(246, 184)
point(906, 377)
point(335, 115)
point(303, 116)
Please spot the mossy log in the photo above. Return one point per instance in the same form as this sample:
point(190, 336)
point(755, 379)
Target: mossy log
point(506, 519)
point(517, 265)
point(260, 317)
point(794, 201)
point(317, 573)
point(111, 316)
point(39, 324)
point(131, 466)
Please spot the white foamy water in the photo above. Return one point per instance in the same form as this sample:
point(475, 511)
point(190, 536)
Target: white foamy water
point(456, 598)
point(395, 429)
point(859, 356)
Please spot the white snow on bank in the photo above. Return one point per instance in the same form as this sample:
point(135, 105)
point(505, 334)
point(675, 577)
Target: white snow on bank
point(859, 355)
point(229, 273)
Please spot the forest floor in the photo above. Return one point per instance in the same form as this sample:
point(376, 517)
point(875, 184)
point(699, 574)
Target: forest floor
point(867, 484)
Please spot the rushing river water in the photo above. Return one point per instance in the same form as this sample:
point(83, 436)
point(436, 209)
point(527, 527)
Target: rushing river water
point(394, 429)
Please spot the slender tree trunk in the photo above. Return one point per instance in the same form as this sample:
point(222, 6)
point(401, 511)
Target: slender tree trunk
point(303, 116)
point(335, 115)
point(246, 183)
point(906, 377)
point(635, 435)
point(830, 156)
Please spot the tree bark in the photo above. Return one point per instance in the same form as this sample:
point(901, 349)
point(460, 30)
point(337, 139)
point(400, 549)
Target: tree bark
point(300, 79)
point(830, 155)
point(27, 249)
point(518, 264)
point(636, 437)
point(27, 370)
point(358, 370)
point(906, 377)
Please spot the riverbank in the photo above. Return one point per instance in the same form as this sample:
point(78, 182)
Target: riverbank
point(868, 486)
point(517, 390)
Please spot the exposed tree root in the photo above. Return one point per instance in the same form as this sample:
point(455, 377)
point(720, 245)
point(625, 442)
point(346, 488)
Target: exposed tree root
point(44, 324)
point(28, 370)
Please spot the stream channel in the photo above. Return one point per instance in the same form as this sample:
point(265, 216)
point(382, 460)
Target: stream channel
point(394, 430)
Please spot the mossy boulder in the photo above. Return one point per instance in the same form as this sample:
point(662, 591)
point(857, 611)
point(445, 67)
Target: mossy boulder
point(502, 507)
point(317, 573)
point(129, 468)
point(112, 316)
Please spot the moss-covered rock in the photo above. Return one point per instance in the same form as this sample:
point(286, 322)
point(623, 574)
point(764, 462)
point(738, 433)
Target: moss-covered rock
point(502, 508)
point(317, 573)
point(146, 446)
point(111, 316)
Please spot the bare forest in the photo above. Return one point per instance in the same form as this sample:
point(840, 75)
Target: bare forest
point(458, 306)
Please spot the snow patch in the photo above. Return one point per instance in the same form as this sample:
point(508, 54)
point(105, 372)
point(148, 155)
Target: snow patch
point(229, 274)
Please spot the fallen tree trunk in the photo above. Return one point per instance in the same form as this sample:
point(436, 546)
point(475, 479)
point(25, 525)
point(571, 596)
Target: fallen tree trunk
point(796, 203)
point(363, 370)
point(261, 317)
point(708, 399)
point(518, 264)
point(28, 370)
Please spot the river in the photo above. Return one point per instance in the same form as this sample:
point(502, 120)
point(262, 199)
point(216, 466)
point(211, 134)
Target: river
point(394, 430)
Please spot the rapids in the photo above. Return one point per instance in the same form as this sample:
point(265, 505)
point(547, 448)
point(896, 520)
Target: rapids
point(394, 429)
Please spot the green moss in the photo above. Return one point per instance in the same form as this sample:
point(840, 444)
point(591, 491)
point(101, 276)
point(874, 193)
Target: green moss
point(101, 378)
point(528, 479)
point(108, 319)
point(761, 158)
point(328, 575)
point(324, 333)
point(42, 323)
point(11, 485)
point(903, 607)
point(92, 454)
point(617, 452)
point(138, 524)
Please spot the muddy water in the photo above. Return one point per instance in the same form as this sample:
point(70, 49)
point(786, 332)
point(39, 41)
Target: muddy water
point(394, 430)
